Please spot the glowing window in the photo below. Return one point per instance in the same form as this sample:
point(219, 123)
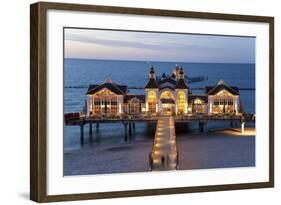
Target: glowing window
point(151, 97)
point(181, 102)
point(198, 101)
point(167, 95)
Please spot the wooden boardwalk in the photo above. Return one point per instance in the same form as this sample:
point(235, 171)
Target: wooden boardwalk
point(164, 151)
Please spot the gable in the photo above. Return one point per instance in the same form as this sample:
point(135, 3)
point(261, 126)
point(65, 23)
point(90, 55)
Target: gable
point(216, 89)
point(223, 92)
point(105, 92)
point(116, 89)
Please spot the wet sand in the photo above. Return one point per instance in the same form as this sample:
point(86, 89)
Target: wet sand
point(220, 149)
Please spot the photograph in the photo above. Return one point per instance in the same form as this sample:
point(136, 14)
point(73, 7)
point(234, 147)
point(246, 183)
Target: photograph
point(145, 101)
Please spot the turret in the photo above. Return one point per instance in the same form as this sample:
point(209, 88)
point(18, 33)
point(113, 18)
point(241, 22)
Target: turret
point(181, 73)
point(181, 84)
point(152, 73)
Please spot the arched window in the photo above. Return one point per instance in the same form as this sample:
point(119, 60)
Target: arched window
point(181, 102)
point(223, 102)
point(197, 101)
point(134, 106)
point(105, 102)
point(151, 98)
point(167, 95)
point(198, 106)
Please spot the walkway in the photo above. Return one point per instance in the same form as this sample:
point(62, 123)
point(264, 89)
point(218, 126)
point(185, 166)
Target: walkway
point(164, 151)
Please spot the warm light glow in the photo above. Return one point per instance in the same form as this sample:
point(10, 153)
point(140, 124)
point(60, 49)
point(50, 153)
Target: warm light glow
point(223, 102)
point(182, 102)
point(134, 106)
point(105, 101)
point(167, 95)
point(198, 101)
point(151, 98)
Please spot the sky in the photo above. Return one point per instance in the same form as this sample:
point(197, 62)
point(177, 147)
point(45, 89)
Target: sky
point(149, 46)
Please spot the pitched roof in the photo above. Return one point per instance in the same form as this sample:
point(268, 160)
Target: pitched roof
point(167, 86)
point(166, 80)
point(211, 90)
point(92, 87)
point(191, 98)
point(129, 97)
point(151, 83)
point(181, 84)
point(123, 88)
point(113, 87)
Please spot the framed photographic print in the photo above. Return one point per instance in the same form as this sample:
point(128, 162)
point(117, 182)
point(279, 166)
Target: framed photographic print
point(134, 102)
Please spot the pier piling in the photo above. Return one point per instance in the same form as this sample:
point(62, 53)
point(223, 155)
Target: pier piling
point(242, 127)
point(202, 126)
point(130, 129)
point(125, 128)
point(134, 126)
point(97, 126)
point(82, 132)
point(90, 129)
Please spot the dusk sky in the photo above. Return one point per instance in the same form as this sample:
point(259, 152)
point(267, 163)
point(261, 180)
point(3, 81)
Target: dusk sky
point(146, 46)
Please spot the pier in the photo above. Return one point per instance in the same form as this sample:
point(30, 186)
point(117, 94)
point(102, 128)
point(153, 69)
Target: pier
point(164, 155)
point(129, 121)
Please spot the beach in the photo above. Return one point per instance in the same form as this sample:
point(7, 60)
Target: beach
point(219, 149)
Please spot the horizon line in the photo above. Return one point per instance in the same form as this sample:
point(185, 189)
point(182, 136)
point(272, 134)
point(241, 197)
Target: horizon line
point(177, 62)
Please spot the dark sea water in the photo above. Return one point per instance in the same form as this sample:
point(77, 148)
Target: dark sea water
point(78, 72)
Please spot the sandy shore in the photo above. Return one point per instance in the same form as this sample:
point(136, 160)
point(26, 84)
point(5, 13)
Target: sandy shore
point(220, 149)
point(132, 156)
point(226, 148)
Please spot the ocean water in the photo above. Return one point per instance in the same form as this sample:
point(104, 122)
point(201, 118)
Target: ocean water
point(81, 72)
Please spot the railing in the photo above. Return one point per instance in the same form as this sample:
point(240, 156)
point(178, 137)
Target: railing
point(72, 117)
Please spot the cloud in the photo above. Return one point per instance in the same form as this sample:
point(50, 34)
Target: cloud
point(146, 45)
point(133, 44)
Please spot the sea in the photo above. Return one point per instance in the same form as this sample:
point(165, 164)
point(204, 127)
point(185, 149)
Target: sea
point(80, 73)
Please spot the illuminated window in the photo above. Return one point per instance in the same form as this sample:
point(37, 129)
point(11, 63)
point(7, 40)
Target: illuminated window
point(197, 101)
point(198, 106)
point(167, 95)
point(151, 97)
point(223, 102)
point(181, 102)
point(105, 102)
point(134, 106)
